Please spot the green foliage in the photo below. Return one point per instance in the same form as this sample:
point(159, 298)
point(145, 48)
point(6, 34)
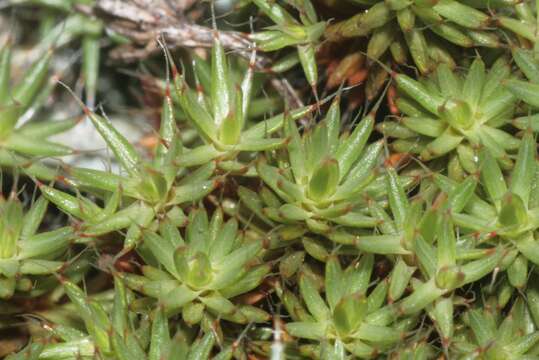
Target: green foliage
point(451, 114)
point(247, 225)
point(26, 252)
point(413, 24)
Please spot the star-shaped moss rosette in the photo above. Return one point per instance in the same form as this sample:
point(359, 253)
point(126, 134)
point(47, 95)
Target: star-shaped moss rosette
point(261, 102)
point(144, 191)
point(486, 333)
point(303, 34)
point(444, 263)
point(352, 223)
point(402, 26)
point(198, 275)
point(27, 254)
point(336, 322)
point(455, 114)
point(15, 100)
point(449, 262)
point(323, 176)
point(424, 235)
point(508, 211)
point(118, 333)
point(331, 184)
point(220, 118)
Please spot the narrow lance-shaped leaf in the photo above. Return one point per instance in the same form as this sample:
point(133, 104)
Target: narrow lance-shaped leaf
point(274, 11)
point(499, 71)
point(475, 270)
point(524, 90)
point(256, 145)
point(92, 313)
point(419, 49)
point(416, 91)
point(161, 249)
point(333, 123)
point(480, 327)
point(492, 177)
point(167, 131)
point(316, 305)
point(351, 148)
point(461, 194)
point(134, 214)
point(5, 70)
point(220, 85)
point(381, 40)
point(447, 251)
point(202, 73)
point(361, 24)
point(239, 257)
point(197, 114)
point(80, 207)
point(197, 234)
point(334, 281)
point(201, 348)
point(43, 244)
point(47, 128)
point(10, 227)
point(524, 171)
point(527, 63)
point(422, 296)
point(529, 247)
point(160, 338)
point(517, 272)
point(397, 197)
point(296, 151)
point(120, 307)
point(34, 217)
point(230, 130)
point(36, 147)
point(448, 81)
point(316, 146)
point(424, 125)
point(362, 173)
point(27, 166)
point(123, 150)
point(358, 277)
point(193, 192)
point(9, 114)
point(307, 58)
point(247, 87)
point(443, 314)
point(400, 277)
point(380, 244)
point(90, 66)
point(263, 128)
point(25, 91)
point(98, 179)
